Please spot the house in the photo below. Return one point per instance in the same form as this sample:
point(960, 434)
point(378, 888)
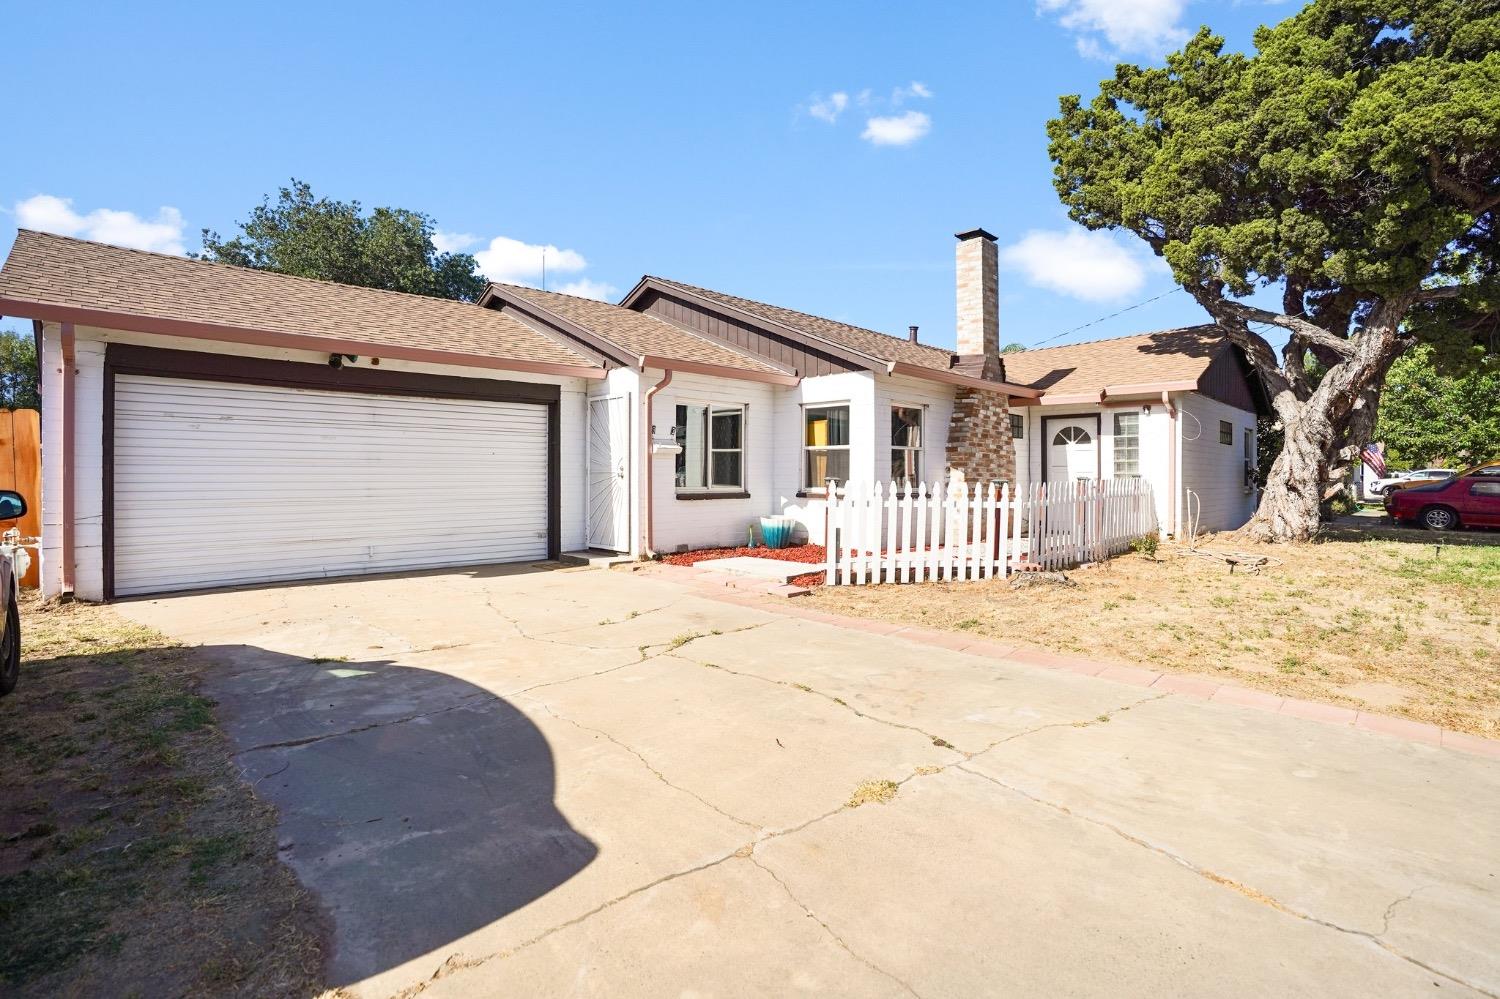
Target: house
point(205, 425)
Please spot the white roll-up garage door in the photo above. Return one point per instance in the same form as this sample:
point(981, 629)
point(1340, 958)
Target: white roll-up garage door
point(222, 484)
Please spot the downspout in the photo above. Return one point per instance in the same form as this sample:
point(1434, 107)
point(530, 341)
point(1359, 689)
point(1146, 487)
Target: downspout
point(1172, 460)
point(650, 551)
point(68, 421)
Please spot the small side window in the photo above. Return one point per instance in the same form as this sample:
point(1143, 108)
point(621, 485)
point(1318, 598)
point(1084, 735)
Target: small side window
point(1017, 426)
point(1485, 489)
point(1226, 432)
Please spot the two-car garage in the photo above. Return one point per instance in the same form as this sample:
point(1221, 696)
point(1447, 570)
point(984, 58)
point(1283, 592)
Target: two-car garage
point(228, 471)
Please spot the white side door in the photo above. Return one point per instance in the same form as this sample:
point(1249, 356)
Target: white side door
point(609, 473)
point(1072, 450)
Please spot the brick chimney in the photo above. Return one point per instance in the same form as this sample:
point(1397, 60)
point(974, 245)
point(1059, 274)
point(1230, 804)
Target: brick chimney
point(978, 294)
point(979, 439)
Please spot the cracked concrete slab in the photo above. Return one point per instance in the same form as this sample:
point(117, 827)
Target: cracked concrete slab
point(966, 700)
point(1298, 812)
point(1019, 899)
point(729, 930)
point(769, 755)
point(499, 787)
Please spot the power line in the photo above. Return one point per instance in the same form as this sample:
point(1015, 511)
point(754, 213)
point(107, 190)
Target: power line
point(1095, 322)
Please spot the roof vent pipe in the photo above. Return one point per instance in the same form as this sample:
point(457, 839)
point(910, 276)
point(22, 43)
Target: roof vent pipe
point(912, 333)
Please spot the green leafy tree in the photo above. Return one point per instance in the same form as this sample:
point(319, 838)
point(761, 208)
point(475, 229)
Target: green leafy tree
point(391, 248)
point(1352, 164)
point(20, 379)
point(1427, 416)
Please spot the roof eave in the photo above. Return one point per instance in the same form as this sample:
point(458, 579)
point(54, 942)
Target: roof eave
point(717, 370)
point(129, 322)
point(540, 313)
point(1115, 391)
point(965, 381)
point(868, 362)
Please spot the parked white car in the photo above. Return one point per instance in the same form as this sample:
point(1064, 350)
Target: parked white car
point(1377, 487)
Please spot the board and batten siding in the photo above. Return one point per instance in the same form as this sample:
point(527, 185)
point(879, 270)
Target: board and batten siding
point(1212, 471)
point(89, 350)
point(743, 334)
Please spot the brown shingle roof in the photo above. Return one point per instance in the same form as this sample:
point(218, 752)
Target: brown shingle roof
point(50, 270)
point(638, 333)
point(1180, 355)
point(867, 342)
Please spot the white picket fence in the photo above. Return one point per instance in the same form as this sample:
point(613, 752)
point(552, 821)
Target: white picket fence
point(902, 533)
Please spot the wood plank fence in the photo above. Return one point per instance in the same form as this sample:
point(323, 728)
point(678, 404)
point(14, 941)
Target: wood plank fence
point(21, 470)
point(903, 533)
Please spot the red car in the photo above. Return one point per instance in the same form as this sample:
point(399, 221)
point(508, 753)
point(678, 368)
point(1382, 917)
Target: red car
point(1469, 499)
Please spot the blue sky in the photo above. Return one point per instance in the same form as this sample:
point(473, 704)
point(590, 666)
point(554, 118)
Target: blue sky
point(816, 155)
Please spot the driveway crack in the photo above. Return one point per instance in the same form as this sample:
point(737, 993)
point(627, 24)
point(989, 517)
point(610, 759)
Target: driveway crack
point(309, 740)
point(1248, 891)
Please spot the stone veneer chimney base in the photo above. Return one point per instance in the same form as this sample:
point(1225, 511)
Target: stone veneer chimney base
point(979, 441)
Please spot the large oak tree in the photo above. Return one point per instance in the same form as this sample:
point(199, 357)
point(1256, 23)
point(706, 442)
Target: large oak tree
point(1352, 163)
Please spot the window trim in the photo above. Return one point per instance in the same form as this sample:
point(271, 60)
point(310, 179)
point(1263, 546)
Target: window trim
point(710, 410)
point(819, 488)
point(1017, 422)
point(920, 449)
point(1226, 433)
point(1114, 448)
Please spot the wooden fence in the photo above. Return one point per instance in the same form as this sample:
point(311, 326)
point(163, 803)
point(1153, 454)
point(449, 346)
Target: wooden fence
point(902, 533)
point(21, 470)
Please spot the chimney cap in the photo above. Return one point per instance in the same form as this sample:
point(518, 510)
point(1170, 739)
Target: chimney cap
point(912, 331)
point(972, 233)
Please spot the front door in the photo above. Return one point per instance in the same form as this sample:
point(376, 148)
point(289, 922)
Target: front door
point(1072, 449)
point(609, 471)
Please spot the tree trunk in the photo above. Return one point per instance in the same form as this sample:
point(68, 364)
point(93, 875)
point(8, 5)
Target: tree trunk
point(1289, 504)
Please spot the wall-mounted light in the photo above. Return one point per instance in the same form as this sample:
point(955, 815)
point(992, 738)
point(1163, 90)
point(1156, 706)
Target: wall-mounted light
point(1145, 410)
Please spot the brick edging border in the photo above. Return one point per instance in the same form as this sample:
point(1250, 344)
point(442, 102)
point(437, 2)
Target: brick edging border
point(743, 590)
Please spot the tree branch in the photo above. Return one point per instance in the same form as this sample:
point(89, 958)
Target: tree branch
point(1308, 333)
point(1434, 294)
point(1476, 199)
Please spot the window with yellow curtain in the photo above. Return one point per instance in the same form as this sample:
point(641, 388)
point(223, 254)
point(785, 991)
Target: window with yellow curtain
point(825, 446)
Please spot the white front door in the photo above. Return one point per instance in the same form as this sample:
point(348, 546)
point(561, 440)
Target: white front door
point(609, 473)
point(1072, 450)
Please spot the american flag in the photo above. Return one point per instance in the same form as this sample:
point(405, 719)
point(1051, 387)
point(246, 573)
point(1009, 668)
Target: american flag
point(1374, 457)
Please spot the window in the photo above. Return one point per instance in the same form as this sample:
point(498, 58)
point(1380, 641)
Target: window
point(1071, 435)
point(713, 447)
point(906, 444)
point(1127, 445)
point(1485, 489)
point(1247, 445)
point(1226, 432)
point(825, 445)
point(1017, 427)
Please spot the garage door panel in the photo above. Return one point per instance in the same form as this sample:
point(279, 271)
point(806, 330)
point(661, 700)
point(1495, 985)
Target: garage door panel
point(220, 484)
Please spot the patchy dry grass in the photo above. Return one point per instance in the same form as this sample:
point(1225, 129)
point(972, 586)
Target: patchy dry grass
point(872, 792)
point(1401, 628)
point(133, 859)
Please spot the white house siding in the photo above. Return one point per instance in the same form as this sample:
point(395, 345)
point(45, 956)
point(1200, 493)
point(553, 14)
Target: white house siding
point(857, 388)
point(1214, 472)
point(936, 401)
point(698, 523)
point(88, 452)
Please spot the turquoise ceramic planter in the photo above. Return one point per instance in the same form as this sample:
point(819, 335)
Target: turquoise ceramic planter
point(776, 532)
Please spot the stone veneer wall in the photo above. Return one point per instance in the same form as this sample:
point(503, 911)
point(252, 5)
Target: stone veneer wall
point(979, 441)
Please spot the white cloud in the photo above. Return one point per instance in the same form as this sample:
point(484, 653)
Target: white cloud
point(514, 262)
point(49, 213)
point(916, 88)
point(1093, 266)
point(828, 108)
point(1107, 28)
point(453, 242)
point(896, 130)
point(589, 288)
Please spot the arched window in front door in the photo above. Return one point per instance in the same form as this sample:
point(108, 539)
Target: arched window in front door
point(1071, 435)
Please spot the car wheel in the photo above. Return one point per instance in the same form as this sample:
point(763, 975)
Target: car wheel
point(10, 649)
point(1439, 518)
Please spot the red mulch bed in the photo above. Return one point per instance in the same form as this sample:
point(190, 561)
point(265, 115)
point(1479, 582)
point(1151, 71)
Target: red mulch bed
point(812, 554)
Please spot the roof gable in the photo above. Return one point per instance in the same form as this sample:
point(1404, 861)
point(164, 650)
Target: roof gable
point(1142, 362)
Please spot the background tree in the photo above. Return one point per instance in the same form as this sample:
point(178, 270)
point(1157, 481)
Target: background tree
point(391, 248)
point(1428, 417)
point(1353, 165)
point(20, 379)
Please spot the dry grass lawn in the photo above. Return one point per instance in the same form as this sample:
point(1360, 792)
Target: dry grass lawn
point(1387, 626)
point(133, 858)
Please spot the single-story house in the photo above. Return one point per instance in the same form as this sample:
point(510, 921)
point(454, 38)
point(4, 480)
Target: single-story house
point(206, 425)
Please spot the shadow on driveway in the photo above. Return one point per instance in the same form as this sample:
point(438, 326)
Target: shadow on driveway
point(417, 806)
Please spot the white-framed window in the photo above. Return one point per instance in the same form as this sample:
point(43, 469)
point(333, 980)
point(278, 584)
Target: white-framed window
point(906, 443)
point(1127, 445)
point(712, 438)
point(825, 445)
point(1226, 432)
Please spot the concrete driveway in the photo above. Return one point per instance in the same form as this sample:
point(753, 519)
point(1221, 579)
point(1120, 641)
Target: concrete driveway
point(590, 782)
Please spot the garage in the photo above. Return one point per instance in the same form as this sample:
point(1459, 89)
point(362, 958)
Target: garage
point(293, 471)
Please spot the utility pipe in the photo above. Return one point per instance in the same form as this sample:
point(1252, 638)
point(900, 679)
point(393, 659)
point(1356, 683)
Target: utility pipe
point(650, 422)
point(1172, 459)
point(68, 421)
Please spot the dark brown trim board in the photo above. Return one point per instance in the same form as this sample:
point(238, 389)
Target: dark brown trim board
point(1076, 417)
point(128, 359)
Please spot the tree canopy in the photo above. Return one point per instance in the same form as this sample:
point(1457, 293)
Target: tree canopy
point(1427, 417)
point(1351, 165)
point(20, 379)
point(391, 248)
